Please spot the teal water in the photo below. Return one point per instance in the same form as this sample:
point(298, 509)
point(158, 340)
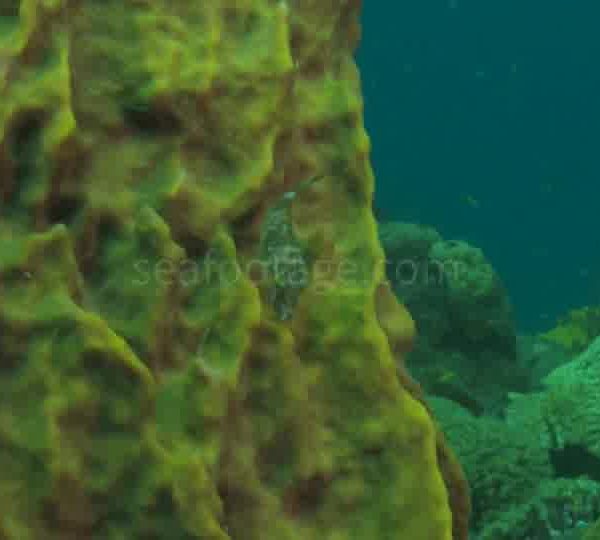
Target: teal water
point(485, 123)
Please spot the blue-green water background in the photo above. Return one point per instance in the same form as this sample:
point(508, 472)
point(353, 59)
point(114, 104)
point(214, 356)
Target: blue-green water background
point(484, 119)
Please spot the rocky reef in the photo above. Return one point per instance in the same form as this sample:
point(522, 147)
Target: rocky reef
point(534, 472)
point(522, 412)
point(467, 346)
point(170, 368)
point(576, 330)
point(593, 532)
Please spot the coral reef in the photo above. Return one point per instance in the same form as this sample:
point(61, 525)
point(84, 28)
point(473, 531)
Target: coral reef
point(576, 330)
point(535, 472)
point(570, 410)
point(467, 342)
point(559, 509)
point(503, 462)
point(538, 357)
point(593, 532)
point(156, 379)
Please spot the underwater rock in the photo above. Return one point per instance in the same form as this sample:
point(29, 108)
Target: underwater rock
point(147, 387)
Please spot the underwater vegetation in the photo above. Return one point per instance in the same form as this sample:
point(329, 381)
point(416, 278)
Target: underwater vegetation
point(593, 533)
point(521, 412)
point(163, 373)
point(576, 330)
point(204, 333)
point(467, 344)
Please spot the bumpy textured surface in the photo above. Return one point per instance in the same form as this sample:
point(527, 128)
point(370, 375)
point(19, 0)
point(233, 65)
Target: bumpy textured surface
point(561, 509)
point(467, 343)
point(453, 288)
point(571, 406)
point(504, 463)
point(148, 387)
point(519, 490)
point(535, 472)
point(565, 415)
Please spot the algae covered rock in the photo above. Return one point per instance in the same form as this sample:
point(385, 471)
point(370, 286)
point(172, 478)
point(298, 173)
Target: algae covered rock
point(150, 387)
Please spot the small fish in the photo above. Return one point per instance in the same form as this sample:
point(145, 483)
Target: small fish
point(471, 201)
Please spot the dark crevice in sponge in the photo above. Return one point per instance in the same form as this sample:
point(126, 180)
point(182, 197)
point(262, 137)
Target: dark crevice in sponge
point(572, 461)
point(63, 209)
point(151, 119)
